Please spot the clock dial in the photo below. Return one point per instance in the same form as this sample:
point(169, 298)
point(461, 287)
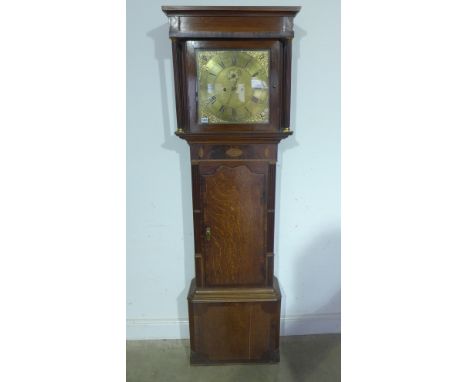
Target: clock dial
point(233, 86)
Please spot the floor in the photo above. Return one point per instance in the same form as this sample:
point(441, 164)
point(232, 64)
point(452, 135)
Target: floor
point(303, 358)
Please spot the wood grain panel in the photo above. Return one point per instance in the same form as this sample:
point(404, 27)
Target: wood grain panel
point(230, 22)
point(225, 329)
point(223, 320)
point(234, 211)
point(235, 332)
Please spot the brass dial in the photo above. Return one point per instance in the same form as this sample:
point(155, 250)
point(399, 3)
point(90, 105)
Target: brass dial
point(233, 86)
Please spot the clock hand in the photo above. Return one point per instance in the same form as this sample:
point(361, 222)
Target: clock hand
point(230, 93)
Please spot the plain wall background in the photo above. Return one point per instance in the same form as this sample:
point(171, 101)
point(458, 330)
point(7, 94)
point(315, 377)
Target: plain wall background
point(160, 250)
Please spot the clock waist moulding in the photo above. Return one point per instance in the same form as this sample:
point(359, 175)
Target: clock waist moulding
point(232, 74)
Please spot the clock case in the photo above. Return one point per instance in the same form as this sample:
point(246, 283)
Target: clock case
point(234, 301)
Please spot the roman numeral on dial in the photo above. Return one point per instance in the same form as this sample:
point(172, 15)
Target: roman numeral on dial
point(212, 99)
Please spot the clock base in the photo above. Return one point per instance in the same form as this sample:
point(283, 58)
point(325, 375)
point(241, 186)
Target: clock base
point(234, 325)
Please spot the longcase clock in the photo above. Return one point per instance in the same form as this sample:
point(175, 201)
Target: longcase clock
point(232, 72)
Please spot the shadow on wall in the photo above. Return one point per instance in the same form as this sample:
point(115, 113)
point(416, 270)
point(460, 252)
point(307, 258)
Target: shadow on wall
point(291, 141)
point(319, 269)
point(163, 56)
point(317, 273)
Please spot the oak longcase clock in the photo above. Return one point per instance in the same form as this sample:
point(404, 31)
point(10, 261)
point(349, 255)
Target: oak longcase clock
point(232, 73)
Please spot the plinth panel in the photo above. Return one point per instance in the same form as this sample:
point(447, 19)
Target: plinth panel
point(234, 326)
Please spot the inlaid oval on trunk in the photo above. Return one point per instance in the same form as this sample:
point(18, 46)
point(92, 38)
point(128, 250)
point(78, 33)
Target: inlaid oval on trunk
point(200, 152)
point(234, 152)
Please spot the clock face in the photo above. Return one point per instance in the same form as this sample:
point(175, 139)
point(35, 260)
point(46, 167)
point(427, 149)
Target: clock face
point(233, 86)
